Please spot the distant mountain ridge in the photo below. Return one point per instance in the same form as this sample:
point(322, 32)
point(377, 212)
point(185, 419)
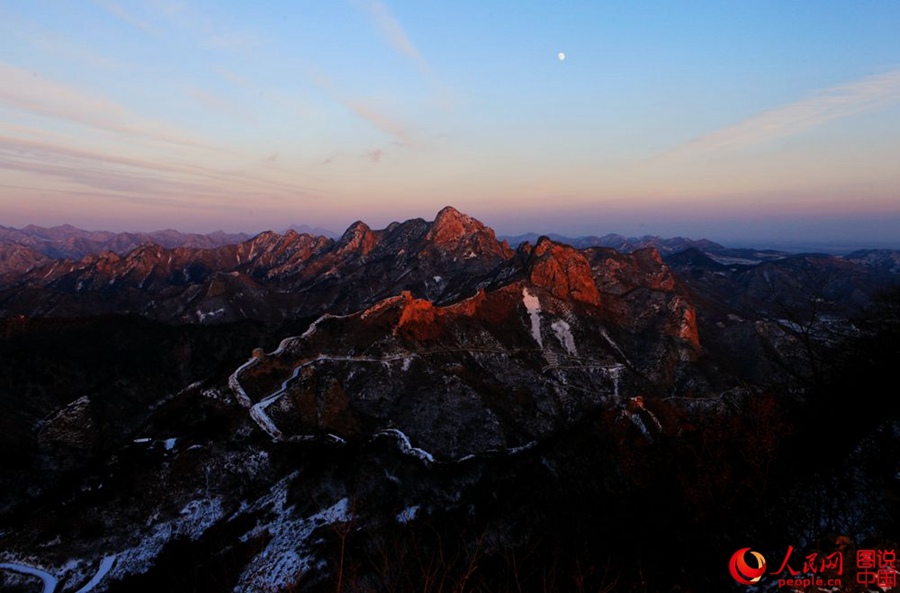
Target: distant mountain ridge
point(23, 248)
point(36, 243)
point(665, 246)
point(761, 250)
point(305, 229)
point(622, 243)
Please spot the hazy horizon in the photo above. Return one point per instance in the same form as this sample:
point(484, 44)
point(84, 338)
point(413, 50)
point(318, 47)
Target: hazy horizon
point(834, 243)
point(759, 122)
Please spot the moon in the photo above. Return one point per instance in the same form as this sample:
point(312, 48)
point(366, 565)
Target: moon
point(561, 55)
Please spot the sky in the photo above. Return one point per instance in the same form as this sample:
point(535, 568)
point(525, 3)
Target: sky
point(736, 121)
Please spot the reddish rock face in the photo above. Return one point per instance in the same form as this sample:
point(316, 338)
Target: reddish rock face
point(419, 319)
point(687, 327)
point(273, 252)
point(450, 225)
point(455, 232)
point(563, 271)
point(358, 239)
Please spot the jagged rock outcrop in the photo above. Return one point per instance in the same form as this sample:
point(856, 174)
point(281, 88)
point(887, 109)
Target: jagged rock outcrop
point(357, 240)
point(460, 235)
point(563, 271)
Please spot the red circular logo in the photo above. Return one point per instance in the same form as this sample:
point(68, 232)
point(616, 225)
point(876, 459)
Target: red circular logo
point(743, 572)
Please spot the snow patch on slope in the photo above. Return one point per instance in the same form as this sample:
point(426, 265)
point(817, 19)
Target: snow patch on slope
point(287, 557)
point(563, 333)
point(407, 514)
point(201, 315)
point(193, 520)
point(615, 346)
point(533, 306)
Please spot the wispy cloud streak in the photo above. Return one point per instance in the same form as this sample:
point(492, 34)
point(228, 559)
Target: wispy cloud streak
point(54, 158)
point(22, 90)
point(362, 109)
point(231, 77)
point(201, 25)
point(380, 121)
point(217, 103)
point(125, 16)
point(831, 104)
point(395, 34)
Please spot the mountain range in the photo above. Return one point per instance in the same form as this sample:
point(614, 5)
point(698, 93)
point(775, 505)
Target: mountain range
point(427, 407)
point(215, 278)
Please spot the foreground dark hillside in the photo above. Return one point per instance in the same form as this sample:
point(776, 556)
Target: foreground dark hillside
point(427, 409)
point(125, 365)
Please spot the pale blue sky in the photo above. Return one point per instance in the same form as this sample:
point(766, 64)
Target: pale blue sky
point(730, 120)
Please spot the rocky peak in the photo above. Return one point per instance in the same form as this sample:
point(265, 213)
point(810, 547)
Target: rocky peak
point(456, 232)
point(267, 247)
point(264, 239)
point(450, 225)
point(563, 271)
point(358, 238)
